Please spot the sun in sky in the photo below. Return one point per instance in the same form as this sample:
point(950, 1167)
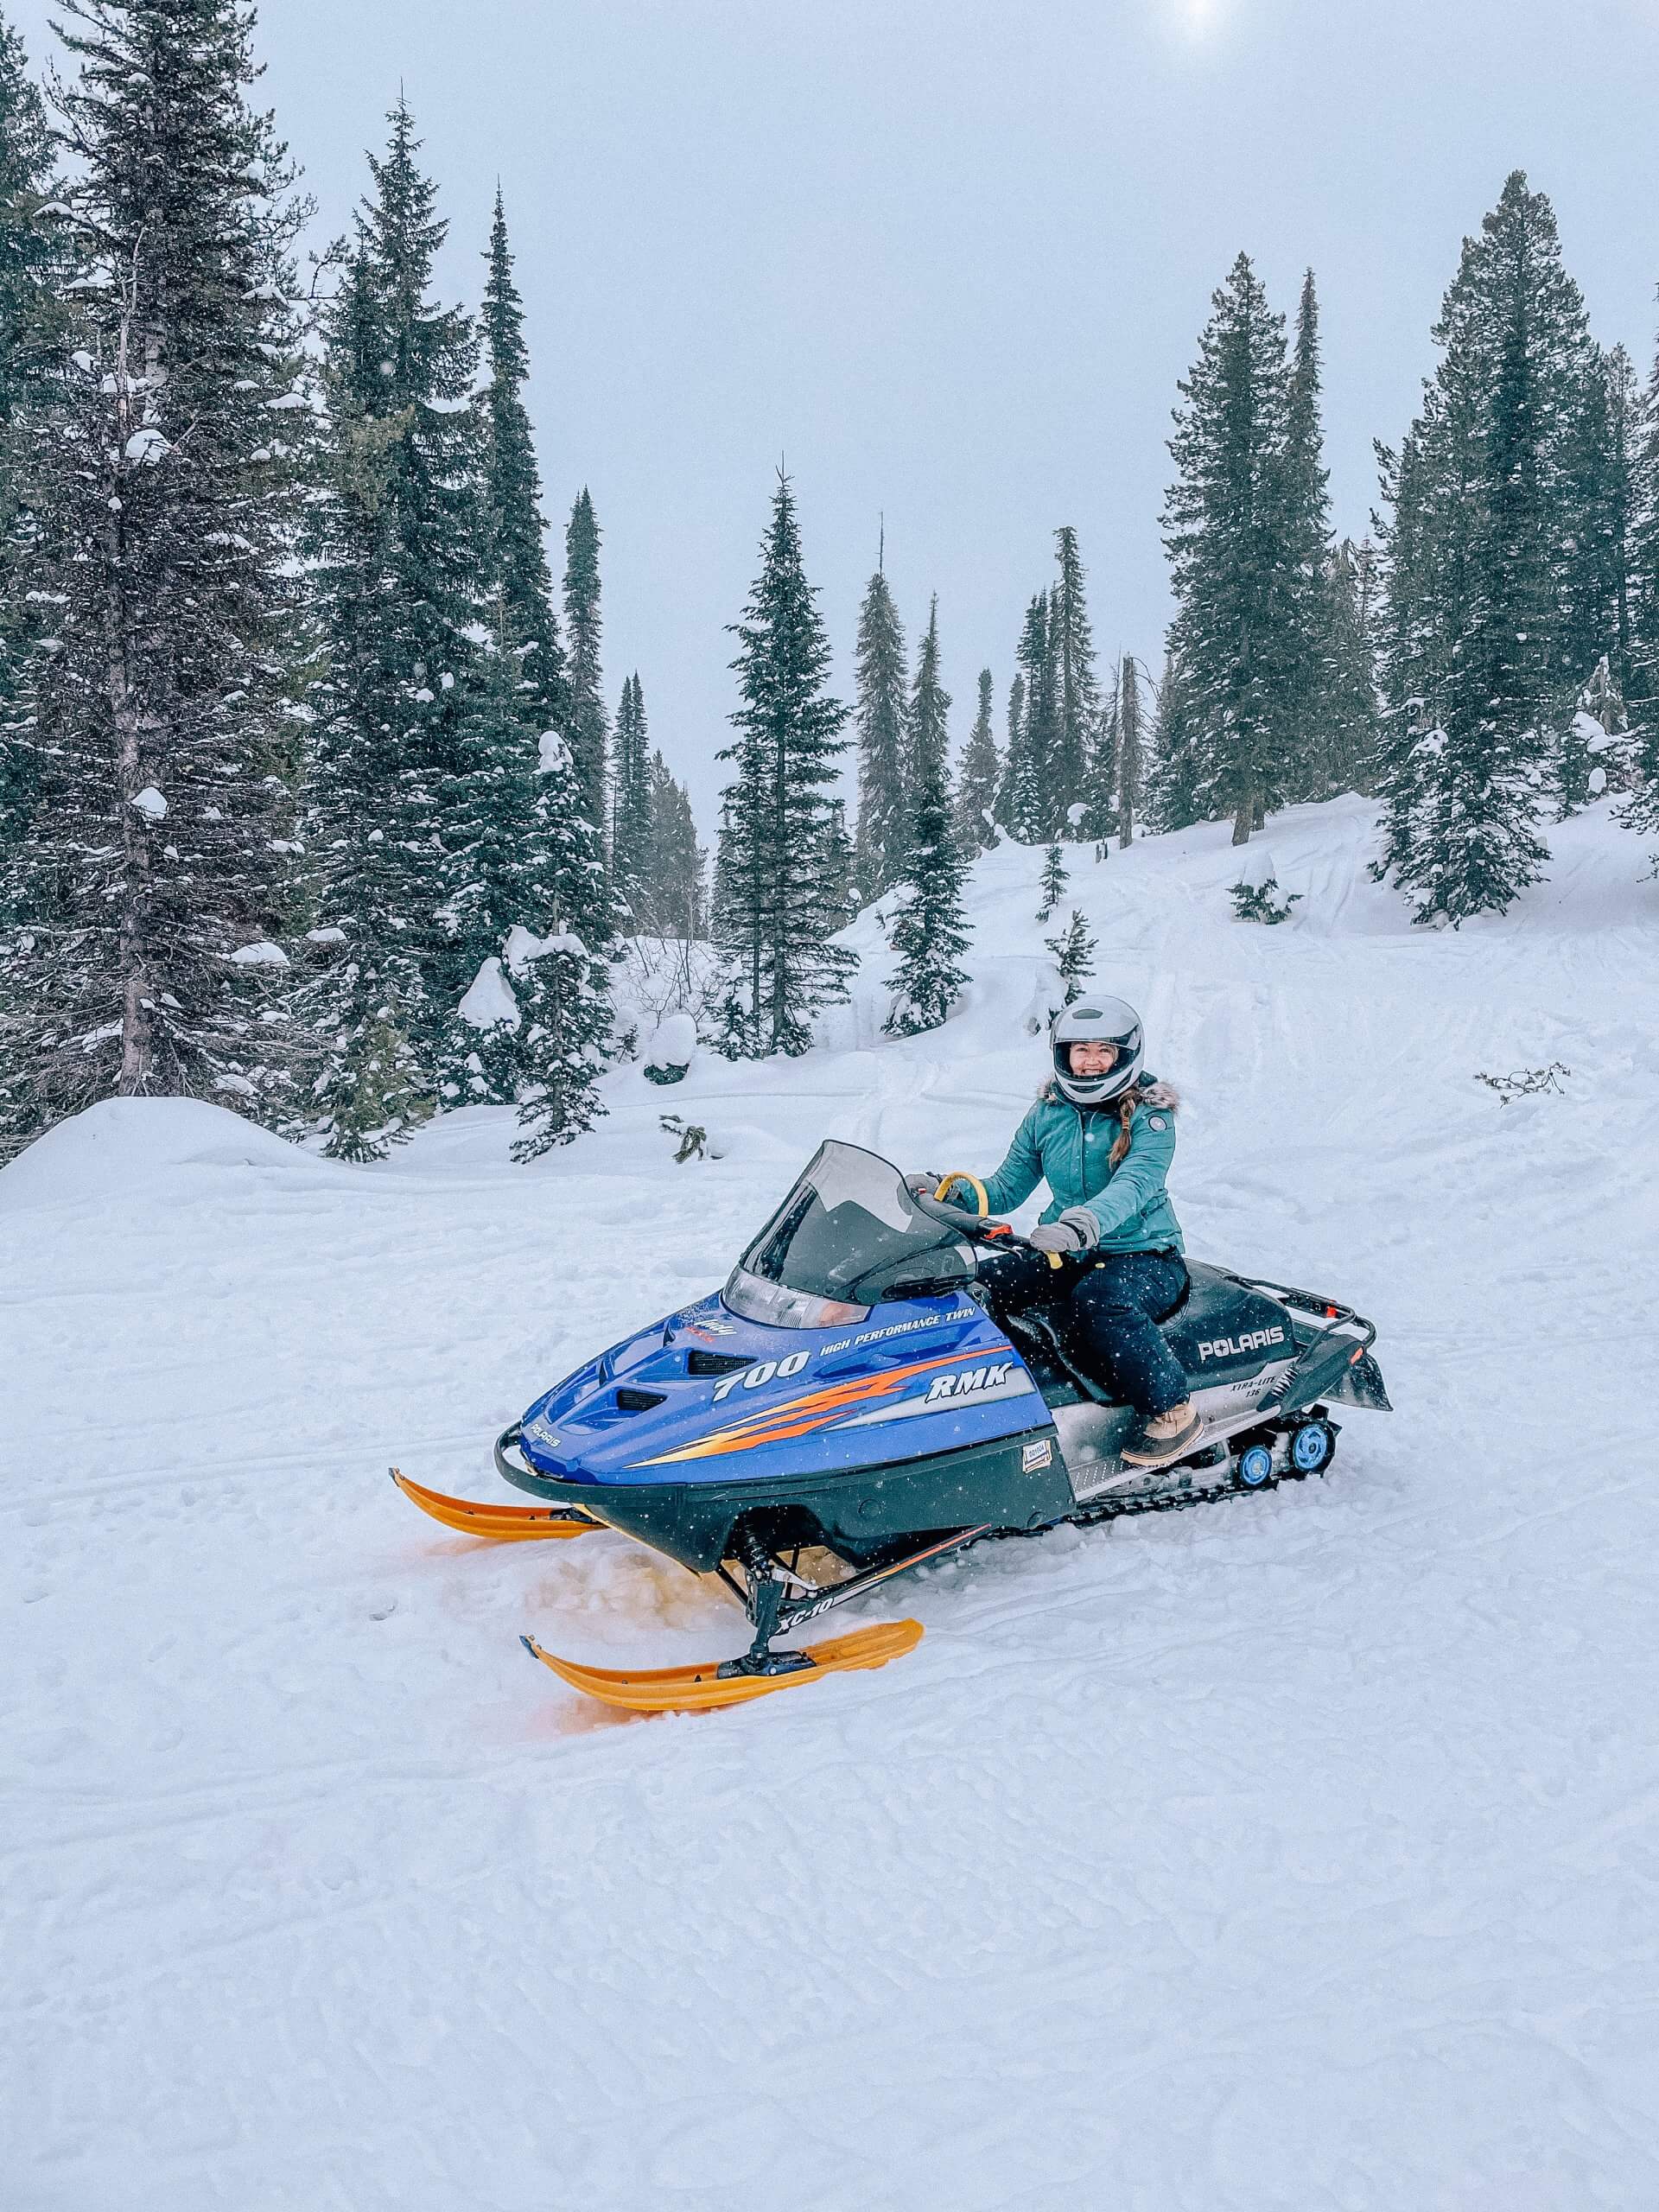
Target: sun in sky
point(1197, 19)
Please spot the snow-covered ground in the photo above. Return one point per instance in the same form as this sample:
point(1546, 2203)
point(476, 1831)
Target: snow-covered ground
point(1299, 1853)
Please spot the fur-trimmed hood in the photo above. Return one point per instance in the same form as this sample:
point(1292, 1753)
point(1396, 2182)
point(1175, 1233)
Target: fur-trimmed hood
point(1149, 1091)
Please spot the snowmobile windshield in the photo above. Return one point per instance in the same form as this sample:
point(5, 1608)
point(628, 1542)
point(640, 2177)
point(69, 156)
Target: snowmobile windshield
point(849, 1234)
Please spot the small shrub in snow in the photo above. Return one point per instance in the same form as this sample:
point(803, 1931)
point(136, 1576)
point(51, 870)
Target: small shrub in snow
point(1074, 955)
point(1257, 896)
point(1526, 1083)
point(1053, 883)
point(692, 1139)
point(671, 1051)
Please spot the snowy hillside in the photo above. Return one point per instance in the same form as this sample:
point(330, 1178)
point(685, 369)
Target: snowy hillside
point(1297, 1853)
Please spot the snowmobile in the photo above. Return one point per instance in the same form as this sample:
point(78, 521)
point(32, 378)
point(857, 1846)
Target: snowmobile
point(845, 1409)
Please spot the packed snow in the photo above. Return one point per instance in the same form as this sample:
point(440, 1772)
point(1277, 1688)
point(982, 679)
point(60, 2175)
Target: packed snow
point(489, 999)
point(1299, 1853)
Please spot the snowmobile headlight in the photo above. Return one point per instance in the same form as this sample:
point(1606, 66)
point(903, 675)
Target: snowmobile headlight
point(776, 1307)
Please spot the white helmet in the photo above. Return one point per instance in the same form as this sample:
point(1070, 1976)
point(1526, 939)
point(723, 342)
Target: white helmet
point(1105, 1021)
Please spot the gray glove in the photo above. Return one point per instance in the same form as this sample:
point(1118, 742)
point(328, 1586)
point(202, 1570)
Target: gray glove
point(922, 1185)
point(1075, 1231)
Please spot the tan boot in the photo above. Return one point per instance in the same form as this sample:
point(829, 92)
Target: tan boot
point(1164, 1436)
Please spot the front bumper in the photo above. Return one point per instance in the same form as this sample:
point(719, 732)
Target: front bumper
point(859, 1512)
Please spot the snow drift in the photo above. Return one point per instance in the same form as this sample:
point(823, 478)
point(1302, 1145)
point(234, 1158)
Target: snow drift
point(1297, 1854)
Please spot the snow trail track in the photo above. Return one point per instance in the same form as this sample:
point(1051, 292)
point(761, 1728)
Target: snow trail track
point(1301, 1852)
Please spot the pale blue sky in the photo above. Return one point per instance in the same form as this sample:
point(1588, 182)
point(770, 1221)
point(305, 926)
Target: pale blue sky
point(949, 259)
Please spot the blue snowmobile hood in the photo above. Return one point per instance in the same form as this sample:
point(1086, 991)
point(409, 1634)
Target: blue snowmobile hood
point(706, 1395)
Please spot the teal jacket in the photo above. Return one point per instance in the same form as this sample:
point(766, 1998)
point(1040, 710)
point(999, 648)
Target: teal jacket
point(1071, 1150)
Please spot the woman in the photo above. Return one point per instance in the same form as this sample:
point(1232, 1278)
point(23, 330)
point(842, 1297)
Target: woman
point(1101, 1136)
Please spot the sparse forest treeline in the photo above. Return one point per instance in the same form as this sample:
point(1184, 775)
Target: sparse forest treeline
point(311, 802)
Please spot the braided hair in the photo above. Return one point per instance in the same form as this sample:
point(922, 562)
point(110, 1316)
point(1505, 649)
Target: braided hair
point(1127, 1105)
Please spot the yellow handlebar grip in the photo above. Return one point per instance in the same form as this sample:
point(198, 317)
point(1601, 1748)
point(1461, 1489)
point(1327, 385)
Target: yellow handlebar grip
point(947, 1183)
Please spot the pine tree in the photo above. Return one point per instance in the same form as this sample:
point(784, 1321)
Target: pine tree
point(567, 882)
point(1012, 756)
point(1054, 881)
point(567, 1032)
point(532, 869)
point(1076, 691)
point(488, 803)
point(1598, 591)
point(1131, 766)
point(927, 744)
point(405, 776)
point(1639, 809)
point(1175, 773)
point(586, 729)
point(1233, 555)
point(26, 250)
point(630, 794)
point(879, 722)
point(1476, 658)
point(1098, 819)
point(929, 934)
point(148, 890)
point(1640, 678)
point(774, 917)
point(1031, 754)
point(1302, 768)
point(516, 528)
point(840, 864)
point(1074, 951)
point(1341, 740)
point(980, 780)
point(673, 904)
point(27, 256)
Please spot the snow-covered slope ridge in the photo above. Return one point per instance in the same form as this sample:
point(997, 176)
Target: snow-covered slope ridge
point(1302, 1853)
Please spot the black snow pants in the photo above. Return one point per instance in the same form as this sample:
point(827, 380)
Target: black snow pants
point(1104, 1308)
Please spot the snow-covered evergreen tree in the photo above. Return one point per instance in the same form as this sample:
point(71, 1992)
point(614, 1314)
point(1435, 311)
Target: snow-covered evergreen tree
point(1012, 749)
point(1131, 747)
point(1031, 746)
point(566, 877)
point(496, 864)
point(1340, 735)
point(841, 899)
point(1233, 555)
point(774, 918)
point(585, 727)
point(673, 901)
point(879, 709)
point(929, 933)
point(927, 744)
point(1077, 690)
point(534, 868)
point(515, 527)
point(979, 780)
point(1484, 533)
point(567, 1038)
point(1300, 767)
point(1175, 769)
point(630, 796)
point(26, 314)
point(148, 894)
point(1097, 818)
point(1052, 889)
point(1074, 951)
point(1598, 591)
point(403, 539)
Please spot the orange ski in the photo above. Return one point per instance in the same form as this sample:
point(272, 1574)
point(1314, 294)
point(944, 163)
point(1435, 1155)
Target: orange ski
point(698, 1689)
point(497, 1524)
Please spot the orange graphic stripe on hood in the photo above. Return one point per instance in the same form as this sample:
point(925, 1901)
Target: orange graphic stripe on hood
point(797, 1416)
